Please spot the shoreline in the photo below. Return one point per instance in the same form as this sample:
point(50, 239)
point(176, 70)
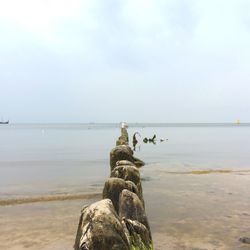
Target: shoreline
point(49, 198)
point(69, 194)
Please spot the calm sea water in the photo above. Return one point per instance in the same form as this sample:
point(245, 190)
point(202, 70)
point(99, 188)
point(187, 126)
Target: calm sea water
point(43, 158)
point(196, 184)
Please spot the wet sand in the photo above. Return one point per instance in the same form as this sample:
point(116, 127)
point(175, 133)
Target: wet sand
point(48, 198)
point(193, 211)
point(186, 212)
point(45, 225)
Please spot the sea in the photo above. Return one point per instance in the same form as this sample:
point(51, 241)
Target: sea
point(196, 182)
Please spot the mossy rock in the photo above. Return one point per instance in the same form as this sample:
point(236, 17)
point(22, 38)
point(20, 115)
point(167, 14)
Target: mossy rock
point(113, 188)
point(101, 228)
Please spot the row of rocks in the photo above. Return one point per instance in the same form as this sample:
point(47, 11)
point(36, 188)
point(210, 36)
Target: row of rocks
point(118, 221)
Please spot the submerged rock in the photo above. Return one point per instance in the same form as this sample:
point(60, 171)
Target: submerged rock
point(150, 140)
point(113, 188)
point(100, 228)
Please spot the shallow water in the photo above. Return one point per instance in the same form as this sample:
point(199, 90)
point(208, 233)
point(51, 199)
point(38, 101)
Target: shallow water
point(196, 184)
point(53, 159)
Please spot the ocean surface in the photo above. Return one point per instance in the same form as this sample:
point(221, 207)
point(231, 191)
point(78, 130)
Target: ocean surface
point(196, 181)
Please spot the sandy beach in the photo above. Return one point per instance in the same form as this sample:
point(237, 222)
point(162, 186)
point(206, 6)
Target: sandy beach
point(209, 211)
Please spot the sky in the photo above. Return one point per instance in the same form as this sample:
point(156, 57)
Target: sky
point(125, 60)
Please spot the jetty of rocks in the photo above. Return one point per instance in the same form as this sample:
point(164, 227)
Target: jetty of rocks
point(118, 221)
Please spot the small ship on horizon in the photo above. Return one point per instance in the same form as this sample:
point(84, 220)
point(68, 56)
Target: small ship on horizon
point(4, 122)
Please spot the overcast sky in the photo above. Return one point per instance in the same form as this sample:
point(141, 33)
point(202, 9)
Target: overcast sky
point(132, 60)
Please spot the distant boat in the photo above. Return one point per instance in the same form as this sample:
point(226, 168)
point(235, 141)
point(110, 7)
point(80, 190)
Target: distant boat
point(2, 122)
point(238, 122)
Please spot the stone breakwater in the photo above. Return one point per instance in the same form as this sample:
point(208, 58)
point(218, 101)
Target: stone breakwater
point(118, 221)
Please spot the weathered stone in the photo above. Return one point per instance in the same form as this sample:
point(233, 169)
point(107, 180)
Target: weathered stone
point(138, 163)
point(131, 210)
point(123, 152)
point(120, 141)
point(124, 133)
point(245, 240)
point(123, 139)
point(101, 228)
point(128, 173)
point(124, 162)
point(139, 235)
point(113, 188)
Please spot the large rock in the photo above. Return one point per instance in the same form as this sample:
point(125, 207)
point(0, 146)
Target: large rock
point(123, 139)
point(139, 235)
point(131, 210)
point(128, 173)
point(113, 188)
point(123, 152)
point(100, 228)
point(131, 207)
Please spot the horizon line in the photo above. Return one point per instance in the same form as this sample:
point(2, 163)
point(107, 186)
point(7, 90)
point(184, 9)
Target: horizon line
point(92, 123)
